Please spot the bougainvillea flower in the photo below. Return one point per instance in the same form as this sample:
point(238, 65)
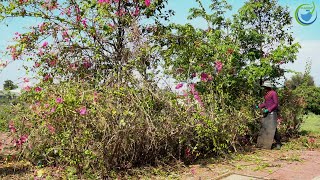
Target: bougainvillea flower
point(36, 64)
point(12, 128)
point(84, 22)
point(83, 111)
point(47, 77)
point(51, 129)
point(24, 138)
point(178, 86)
point(87, 64)
point(38, 89)
point(147, 2)
point(27, 88)
point(204, 77)
point(59, 100)
point(26, 80)
point(219, 66)
point(52, 63)
point(53, 110)
point(45, 44)
point(136, 12)
point(311, 140)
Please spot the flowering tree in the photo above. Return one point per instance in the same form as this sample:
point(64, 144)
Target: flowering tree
point(97, 41)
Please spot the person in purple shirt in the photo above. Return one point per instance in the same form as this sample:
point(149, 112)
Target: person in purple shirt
point(269, 130)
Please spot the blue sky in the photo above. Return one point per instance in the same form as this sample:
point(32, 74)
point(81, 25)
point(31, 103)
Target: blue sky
point(307, 36)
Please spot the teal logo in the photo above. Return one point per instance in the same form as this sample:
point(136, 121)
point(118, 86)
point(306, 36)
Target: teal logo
point(306, 14)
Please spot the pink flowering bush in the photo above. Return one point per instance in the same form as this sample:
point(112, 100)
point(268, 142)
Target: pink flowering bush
point(100, 130)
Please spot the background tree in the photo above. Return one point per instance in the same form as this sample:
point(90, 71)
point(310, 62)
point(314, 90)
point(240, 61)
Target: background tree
point(9, 85)
point(262, 28)
point(302, 85)
point(298, 80)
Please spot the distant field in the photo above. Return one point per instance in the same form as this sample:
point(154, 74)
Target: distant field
point(311, 124)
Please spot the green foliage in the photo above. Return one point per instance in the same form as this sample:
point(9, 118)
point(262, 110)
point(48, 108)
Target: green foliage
point(299, 80)
point(311, 95)
point(303, 86)
point(9, 85)
point(5, 115)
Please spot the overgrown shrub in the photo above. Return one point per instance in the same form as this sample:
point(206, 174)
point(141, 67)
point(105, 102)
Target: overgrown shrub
point(291, 112)
point(112, 129)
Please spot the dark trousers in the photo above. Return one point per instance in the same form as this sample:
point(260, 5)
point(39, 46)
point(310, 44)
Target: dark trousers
point(277, 137)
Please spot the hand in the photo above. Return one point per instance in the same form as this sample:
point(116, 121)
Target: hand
point(265, 110)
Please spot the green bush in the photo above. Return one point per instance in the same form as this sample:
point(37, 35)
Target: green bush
point(311, 94)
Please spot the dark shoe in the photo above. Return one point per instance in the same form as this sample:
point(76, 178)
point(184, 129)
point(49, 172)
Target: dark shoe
point(278, 147)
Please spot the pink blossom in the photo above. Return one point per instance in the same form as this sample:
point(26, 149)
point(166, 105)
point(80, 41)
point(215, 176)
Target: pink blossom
point(40, 53)
point(53, 110)
point(65, 34)
point(147, 2)
point(136, 12)
point(36, 64)
point(25, 80)
point(73, 66)
point(24, 138)
point(38, 89)
point(121, 12)
point(47, 105)
point(27, 88)
point(68, 12)
point(59, 100)
point(104, 1)
point(52, 63)
point(84, 22)
point(12, 128)
point(187, 152)
point(219, 66)
point(83, 111)
point(179, 86)
point(204, 77)
point(87, 64)
point(47, 77)
point(311, 140)
point(51, 129)
point(45, 44)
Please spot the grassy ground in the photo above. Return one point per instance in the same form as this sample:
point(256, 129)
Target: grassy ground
point(257, 162)
point(311, 124)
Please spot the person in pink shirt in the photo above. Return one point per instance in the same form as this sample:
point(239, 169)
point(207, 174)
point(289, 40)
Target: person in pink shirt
point(268, 130)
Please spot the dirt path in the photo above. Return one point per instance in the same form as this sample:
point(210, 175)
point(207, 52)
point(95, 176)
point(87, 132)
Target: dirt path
point(282, 165)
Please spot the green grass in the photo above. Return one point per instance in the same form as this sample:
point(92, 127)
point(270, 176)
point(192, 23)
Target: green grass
point(311, 124)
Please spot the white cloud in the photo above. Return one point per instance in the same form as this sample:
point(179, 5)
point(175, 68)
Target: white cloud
point(309, 52)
